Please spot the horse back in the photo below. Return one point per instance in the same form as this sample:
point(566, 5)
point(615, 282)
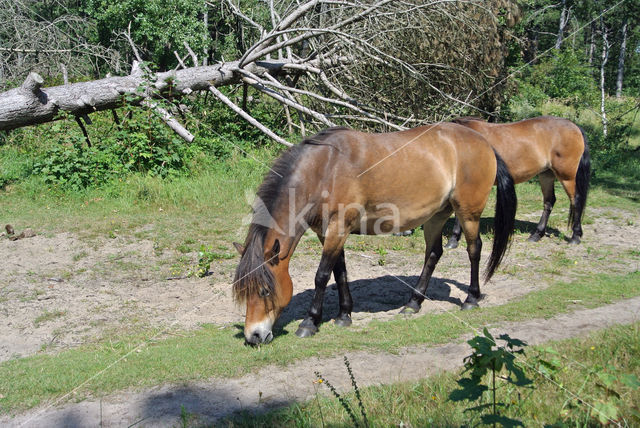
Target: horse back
point(531, 146)
point(419, 171)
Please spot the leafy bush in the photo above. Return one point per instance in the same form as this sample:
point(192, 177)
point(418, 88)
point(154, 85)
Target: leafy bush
point(220, 130)
point(564, 77)
point(140, 144)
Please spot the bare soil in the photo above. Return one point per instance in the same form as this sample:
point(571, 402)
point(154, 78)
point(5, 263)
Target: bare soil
point(60, 291)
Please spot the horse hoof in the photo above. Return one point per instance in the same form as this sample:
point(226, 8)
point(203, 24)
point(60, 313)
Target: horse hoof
point(574, 240)
point(469, 305)
point(534, 237)
point(344, 321)
point(410, 309)
point(306, 331)
point(451, 244)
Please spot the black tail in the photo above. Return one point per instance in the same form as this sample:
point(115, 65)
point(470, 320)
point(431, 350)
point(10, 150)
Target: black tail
point(505, 217)
point(583, 177)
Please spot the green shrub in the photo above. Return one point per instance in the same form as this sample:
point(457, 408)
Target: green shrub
point(564, 78)
point(141, 144)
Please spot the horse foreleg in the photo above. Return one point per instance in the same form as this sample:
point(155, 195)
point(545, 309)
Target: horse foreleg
point(454, 238)
point(433, 239)
point(344, 295)
point(474, 247)
point(547, 180)
point(332, 248)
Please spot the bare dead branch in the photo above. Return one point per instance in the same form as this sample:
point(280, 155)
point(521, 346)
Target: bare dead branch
point(194, 57)
point(246, 116)
point(169, 120)
point(84, 130)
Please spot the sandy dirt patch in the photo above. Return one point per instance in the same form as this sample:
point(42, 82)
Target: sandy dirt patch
point(59, 291)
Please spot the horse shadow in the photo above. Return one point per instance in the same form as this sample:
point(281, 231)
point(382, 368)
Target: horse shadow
point(486, 226)
point(382, 294)
point(520, 226)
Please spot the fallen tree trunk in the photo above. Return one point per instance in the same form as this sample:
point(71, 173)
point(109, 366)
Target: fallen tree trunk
point(350, 61)
point(32, 104)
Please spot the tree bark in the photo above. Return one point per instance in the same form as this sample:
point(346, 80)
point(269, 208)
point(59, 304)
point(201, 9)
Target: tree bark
point(623, 48)
point(564, 18)
point(592, 43)
point(605, 57)
point(32, 104)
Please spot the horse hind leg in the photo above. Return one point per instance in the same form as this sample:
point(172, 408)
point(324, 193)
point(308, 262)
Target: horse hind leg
point(455, 235)
point(575, 215)
point(471, 228)
point(547, 180)
point(433, 239)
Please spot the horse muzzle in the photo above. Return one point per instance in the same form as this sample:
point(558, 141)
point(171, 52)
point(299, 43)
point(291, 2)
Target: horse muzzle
point(259, 334)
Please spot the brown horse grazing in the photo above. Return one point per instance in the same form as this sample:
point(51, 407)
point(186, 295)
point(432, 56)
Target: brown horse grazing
point(340, 182)
point(546, 146)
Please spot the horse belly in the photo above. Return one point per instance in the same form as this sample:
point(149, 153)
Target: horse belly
point(399, 214)
point(525, 161)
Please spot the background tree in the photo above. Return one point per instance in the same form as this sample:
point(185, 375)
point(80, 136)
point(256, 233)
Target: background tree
point(384, 62)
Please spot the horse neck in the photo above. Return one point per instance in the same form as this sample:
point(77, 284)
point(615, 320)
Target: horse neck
point(290, 222)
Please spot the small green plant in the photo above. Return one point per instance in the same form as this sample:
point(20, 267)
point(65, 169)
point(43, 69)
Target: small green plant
point(612, 390)
point(609, 382)
point(490, 359)
point(206, 256)
point(185, 417)
point(382, 252)
point(47, 316)
point(343, 401)
point(547, 363)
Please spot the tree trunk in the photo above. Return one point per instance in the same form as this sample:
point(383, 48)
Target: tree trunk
point(564, 18)
point(592, 42)
point(605, 57)
point(623, 48)
point(205, 19)
point(31, 104)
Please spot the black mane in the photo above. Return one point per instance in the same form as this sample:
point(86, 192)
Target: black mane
point(464, 119)
point(252, 274)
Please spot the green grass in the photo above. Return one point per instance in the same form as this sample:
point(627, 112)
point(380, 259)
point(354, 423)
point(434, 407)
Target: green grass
point(207, 207)
point(219, 351)
point(427, 403)
point(47, 316)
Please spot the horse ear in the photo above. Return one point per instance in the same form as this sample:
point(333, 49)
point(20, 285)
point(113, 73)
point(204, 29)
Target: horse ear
point(273, 256)
point(239, 247)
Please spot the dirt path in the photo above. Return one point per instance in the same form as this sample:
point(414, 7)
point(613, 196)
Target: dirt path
point(58, 292)
point(275, 387)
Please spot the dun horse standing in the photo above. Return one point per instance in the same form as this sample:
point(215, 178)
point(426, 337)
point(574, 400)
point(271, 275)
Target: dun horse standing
point(546, 146)
point(342, 181)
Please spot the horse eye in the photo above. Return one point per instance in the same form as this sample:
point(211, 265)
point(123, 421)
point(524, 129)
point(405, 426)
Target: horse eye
point(263, 292)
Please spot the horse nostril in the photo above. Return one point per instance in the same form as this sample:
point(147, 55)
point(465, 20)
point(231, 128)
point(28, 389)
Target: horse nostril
point(254, 339)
